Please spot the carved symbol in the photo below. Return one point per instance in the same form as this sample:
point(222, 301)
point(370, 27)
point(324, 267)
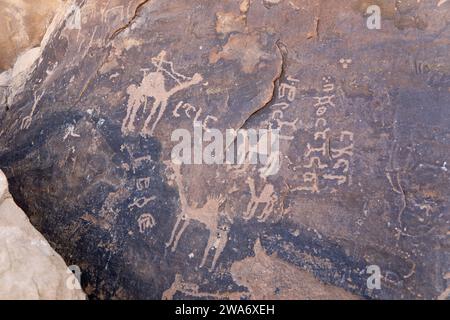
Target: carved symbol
point(328, 87)
point(324, 101)
point(322, 150)
point(146, 221)
point(187, 109)
point(207, 119)
point(26, 121)
point(340, 179)
point(310, 177)
point(278, 115)
point(70, 132)
point(282, 105)
point(141, 202)
point(342, 163)
point(345, 63)
point(142, 183)
point(315, 162)
point(346, 134)
point(337, 153)
point(288, 91)
point(139, 161)
point(321, 120)
point(321, 135)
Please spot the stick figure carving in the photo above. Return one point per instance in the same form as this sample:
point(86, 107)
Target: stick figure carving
point(153, 85)
point(208, 215)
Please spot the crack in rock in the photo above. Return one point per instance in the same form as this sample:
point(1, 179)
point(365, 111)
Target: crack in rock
point(131, 21)
point(282, 49)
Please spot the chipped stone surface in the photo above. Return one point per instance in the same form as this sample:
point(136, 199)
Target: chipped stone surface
point(364, 121)
point(29, 267)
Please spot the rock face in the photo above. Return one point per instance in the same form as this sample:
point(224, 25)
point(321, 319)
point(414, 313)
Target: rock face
point(23, 25)
point(29, 267)
point(363, 152)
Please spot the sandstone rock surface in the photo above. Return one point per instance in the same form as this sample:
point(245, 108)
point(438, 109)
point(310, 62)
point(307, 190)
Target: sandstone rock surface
point(23, 25)
point(29, 267)
point(364, 153)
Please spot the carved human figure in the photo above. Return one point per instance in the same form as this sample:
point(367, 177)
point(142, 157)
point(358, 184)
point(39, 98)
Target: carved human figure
point(153, 85)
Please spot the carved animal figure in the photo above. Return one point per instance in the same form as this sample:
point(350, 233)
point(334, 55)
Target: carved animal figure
point(153, 86)
point(266, 197)
point(208, 215)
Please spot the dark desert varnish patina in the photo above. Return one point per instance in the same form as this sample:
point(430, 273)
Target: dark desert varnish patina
point(364, 116)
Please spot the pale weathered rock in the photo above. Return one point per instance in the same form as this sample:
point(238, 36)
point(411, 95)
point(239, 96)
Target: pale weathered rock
point(23, 25)
point(363, 180)
point(29, 267)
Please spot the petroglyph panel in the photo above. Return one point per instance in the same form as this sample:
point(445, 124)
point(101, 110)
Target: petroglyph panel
point(360, 177)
